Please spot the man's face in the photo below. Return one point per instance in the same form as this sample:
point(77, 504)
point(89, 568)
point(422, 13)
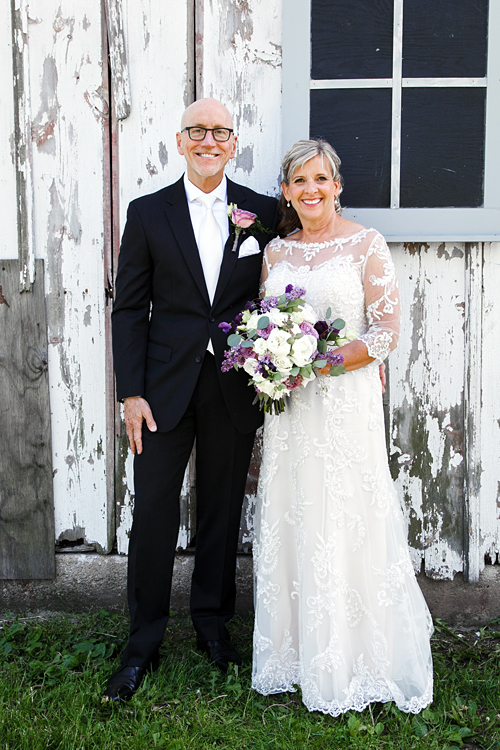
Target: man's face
point(206, 159)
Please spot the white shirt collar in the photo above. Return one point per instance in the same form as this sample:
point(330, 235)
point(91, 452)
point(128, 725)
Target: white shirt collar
point(193, 193)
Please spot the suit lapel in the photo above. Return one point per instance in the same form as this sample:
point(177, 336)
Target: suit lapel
point(177, 212)
point(235, 194)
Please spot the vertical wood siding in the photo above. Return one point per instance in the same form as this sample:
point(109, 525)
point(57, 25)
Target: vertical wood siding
point(69, 117)
point(8, 211)
point(444, 412)
point(159, 46)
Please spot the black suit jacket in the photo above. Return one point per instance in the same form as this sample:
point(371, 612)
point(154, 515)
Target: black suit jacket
point(162, 317)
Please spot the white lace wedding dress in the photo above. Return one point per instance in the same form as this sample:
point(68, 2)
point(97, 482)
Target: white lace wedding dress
point(338, 610)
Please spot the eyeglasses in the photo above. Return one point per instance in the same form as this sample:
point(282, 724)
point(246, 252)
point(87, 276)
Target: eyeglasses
point(219, 134)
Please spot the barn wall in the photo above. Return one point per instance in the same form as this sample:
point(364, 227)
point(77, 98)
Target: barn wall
point(67, 121)
point(444, 404)
point(160, 50)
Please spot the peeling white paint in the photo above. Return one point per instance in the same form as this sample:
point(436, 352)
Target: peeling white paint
point(69, 218)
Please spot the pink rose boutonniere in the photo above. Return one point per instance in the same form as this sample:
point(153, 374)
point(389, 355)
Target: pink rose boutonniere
point(243, 220)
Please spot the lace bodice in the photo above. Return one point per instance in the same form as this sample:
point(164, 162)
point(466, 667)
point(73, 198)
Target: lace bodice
point(354, 276)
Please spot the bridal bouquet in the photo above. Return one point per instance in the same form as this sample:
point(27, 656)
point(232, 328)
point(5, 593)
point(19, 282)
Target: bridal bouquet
point(281, 344)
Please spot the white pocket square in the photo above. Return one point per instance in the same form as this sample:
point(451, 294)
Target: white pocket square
point(250, 246)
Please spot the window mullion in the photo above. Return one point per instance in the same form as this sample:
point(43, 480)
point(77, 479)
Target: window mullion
point(397, 76)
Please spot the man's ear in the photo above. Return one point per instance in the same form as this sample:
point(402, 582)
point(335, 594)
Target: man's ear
point(178, 137)
point(233, 150)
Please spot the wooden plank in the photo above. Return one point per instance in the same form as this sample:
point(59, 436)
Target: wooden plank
point(472, 408)
point(146, 160)
point(239, 62)
point(426, 386)
point(26, 494)
point(8, 236)
point(489, 503)
point(70, 120)
point(22, 142)
point(120, 80)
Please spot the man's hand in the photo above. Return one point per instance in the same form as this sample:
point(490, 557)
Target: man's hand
point(136, 410)
point(381, 372)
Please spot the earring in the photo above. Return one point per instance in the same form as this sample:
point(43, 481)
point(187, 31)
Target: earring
point(288, 204)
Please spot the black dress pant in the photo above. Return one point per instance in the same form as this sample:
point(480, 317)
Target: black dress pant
point(222, 459)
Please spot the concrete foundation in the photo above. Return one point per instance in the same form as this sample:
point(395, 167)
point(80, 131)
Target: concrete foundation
point(90, 581)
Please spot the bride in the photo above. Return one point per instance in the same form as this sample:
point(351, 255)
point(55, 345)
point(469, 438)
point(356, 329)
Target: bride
point(338, 611)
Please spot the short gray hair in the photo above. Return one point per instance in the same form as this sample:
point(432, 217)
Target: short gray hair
point(303, 151)
point(300, 153)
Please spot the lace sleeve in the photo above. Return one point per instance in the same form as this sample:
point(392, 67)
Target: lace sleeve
point(267, 264)
point(381, 300)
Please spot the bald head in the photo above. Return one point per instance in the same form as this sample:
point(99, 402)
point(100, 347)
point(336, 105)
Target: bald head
point(203, 109)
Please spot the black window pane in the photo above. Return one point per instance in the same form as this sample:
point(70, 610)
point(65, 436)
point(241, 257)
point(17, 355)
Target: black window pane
point(445, 39)
point(357, 122)
point(442, 147)
point(351, 39)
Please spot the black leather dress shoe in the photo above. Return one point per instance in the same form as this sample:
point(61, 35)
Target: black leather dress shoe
point(123, 684)
point(219, 652)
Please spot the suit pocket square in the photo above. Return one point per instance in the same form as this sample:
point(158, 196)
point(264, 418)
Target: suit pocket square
point(250, 246)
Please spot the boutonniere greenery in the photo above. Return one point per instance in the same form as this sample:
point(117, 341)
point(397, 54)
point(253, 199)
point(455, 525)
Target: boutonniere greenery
point(241, 220)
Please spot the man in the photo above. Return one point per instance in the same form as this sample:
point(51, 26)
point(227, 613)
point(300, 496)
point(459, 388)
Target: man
point(182, 270)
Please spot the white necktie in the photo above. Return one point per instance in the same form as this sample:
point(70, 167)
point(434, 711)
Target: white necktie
point(210, 245)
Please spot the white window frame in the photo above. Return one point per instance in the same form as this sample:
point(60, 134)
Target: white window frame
point(395, 223)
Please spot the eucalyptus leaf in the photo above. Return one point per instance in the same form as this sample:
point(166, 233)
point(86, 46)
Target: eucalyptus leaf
point(337, 370)
point(234, 339)
point(263, 322)
point(328, 313)
point(294, 371)
point(247, 345)
point(251, 333)
point(320, 363)
point(322, 346)
point(339, 324)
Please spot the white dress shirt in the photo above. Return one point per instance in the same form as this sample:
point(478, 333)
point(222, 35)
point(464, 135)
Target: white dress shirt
point(197, 211)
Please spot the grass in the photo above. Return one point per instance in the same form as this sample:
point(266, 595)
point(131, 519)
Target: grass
point(52, 673)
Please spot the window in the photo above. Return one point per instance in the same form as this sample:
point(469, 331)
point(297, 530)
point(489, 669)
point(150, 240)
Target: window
point(408, 92)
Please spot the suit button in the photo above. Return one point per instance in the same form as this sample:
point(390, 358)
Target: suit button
point(212, 319)
point(198, 360)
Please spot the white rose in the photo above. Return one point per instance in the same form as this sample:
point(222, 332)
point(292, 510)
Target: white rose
point(302, 350)
point(308, 315)
point(296, 330)
point(298, 317)
point(277, 343)
point(283, 365)
point(267, 386)
point(351, 335)
point(250, 366)
point(260, 346)
point(277, 317)
point(253, 320)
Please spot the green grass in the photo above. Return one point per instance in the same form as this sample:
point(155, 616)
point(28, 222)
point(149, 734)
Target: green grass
point(52, 674)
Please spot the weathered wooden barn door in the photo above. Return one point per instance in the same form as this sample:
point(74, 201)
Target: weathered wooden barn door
point(55, 202)
point(26, 494)
point(159, 44)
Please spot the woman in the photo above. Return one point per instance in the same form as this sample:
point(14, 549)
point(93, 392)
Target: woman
point(338, 610)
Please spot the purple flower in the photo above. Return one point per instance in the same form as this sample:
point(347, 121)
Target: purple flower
point(308, 329)
point(268, 303)
point(265, 367)
point(294, 292)
point(321, 327)
point(226, 327)
point(289, 289)
point(333, 358)
point(265, 332)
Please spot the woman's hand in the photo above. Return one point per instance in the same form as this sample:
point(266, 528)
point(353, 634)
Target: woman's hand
point(356, 356)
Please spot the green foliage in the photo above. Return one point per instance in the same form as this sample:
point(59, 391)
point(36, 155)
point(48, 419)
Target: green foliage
point(53, 672)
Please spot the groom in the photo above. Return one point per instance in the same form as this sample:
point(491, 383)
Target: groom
point(181, 272)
